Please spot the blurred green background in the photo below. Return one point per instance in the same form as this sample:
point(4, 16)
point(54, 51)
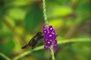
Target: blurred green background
point(20, 20)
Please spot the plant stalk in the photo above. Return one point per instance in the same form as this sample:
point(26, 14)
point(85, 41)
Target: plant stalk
point(44, 12)
point(52, 53)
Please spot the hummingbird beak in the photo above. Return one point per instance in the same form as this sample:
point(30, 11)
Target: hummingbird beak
point(42, 34)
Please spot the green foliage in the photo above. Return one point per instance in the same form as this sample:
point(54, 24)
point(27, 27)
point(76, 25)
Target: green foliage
point(39, 54)
point(74, 51)
point(8, 45)
point(33, 17)
point(2, 10)
point(83, 7)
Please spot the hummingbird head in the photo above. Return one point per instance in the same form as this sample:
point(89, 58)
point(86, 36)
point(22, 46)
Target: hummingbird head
point(39, 33)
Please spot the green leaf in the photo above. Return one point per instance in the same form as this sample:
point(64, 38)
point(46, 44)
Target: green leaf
point(83, 7)
point(62, 2)
point(7, 44)
point(2, 10)
point(33, 18)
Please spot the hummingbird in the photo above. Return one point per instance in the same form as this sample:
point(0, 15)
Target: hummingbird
point(34, 41)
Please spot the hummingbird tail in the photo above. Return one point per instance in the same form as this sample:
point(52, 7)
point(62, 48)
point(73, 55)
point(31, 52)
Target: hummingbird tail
point(24, 47)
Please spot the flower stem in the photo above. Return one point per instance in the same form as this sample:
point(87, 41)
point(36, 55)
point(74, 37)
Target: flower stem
point(59, 42)
point(26, 53)
point(44, 12)
point(52, 53)
point(4, 56)
point(46, 23)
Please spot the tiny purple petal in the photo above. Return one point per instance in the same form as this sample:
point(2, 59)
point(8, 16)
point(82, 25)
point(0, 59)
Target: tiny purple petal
point(45, 40)
point(53, 32)
point(50, 36)
point(45, 32)
point(45, 36)
point(50, 28)
point(55, 45)
point(54, 38)
point(48, 43)
point(54, 48)
point(55, 42)
point(44, 28)
point(46, 47)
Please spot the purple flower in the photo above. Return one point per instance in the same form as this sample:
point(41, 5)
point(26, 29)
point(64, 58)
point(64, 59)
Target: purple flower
point(49, 37)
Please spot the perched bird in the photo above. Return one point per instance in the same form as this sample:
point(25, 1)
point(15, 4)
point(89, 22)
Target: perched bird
point(33, 42)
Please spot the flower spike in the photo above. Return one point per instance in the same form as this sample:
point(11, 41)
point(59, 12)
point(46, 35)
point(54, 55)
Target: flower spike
point(49, 37)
